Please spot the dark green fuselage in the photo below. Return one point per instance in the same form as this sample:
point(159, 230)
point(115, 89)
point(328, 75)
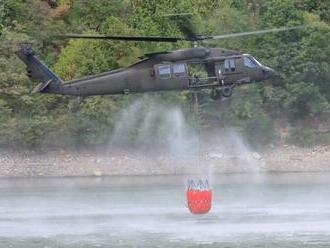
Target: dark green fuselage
point(175, 70)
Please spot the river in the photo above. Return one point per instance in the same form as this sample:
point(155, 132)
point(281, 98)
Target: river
point(256, 210)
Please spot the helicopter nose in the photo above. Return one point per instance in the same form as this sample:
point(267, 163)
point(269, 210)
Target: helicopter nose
point(269, 72)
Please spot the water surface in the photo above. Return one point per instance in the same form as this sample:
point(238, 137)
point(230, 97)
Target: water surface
point(274, 210)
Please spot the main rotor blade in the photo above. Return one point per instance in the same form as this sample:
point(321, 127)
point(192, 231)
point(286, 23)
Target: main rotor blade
point(190, 35)
point(125, 38)
point(225, 36)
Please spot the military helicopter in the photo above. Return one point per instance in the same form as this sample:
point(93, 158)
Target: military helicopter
point(161, 71)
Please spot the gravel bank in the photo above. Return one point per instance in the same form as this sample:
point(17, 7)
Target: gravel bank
point(109, 163)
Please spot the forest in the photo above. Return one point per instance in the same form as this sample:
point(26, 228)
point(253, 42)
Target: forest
point(294, 109)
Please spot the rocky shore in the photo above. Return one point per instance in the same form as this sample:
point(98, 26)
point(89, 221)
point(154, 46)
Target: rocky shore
point(110, 163)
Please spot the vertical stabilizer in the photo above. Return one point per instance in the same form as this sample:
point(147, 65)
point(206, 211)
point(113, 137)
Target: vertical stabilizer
point(37, 71)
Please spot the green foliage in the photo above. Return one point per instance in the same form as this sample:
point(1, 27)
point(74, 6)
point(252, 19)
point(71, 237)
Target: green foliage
point(320, 8)
point(308, 136)
point(91, 14)
point(260, 131)
point(302, 137)
point(12, 13)
point(302, 57)
point(282, 13)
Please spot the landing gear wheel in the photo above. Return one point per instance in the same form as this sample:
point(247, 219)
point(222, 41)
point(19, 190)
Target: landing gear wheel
point(227, 91)
point(215, 94)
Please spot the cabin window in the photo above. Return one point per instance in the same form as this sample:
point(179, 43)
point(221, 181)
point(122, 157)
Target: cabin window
point(164, 71)
point(179, 70)
point(249, 63)
point(230, 65)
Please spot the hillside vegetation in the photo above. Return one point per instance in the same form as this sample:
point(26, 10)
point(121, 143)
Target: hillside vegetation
point(295, 109)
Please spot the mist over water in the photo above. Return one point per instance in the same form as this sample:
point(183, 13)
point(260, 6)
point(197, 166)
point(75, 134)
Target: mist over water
point(153, 128)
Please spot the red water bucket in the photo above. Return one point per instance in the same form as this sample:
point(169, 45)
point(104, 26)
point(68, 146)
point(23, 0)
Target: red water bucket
point(199, 196)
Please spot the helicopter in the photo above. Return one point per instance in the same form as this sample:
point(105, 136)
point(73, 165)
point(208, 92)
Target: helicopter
point(160, 71)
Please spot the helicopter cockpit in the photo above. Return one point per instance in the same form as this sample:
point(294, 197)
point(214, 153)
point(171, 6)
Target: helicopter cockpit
point(257, 70)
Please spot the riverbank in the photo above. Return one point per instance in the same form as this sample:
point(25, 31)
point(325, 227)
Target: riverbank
point(103, 162)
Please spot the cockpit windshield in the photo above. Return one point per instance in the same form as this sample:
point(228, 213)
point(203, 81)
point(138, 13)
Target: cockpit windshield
point(250, 61)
